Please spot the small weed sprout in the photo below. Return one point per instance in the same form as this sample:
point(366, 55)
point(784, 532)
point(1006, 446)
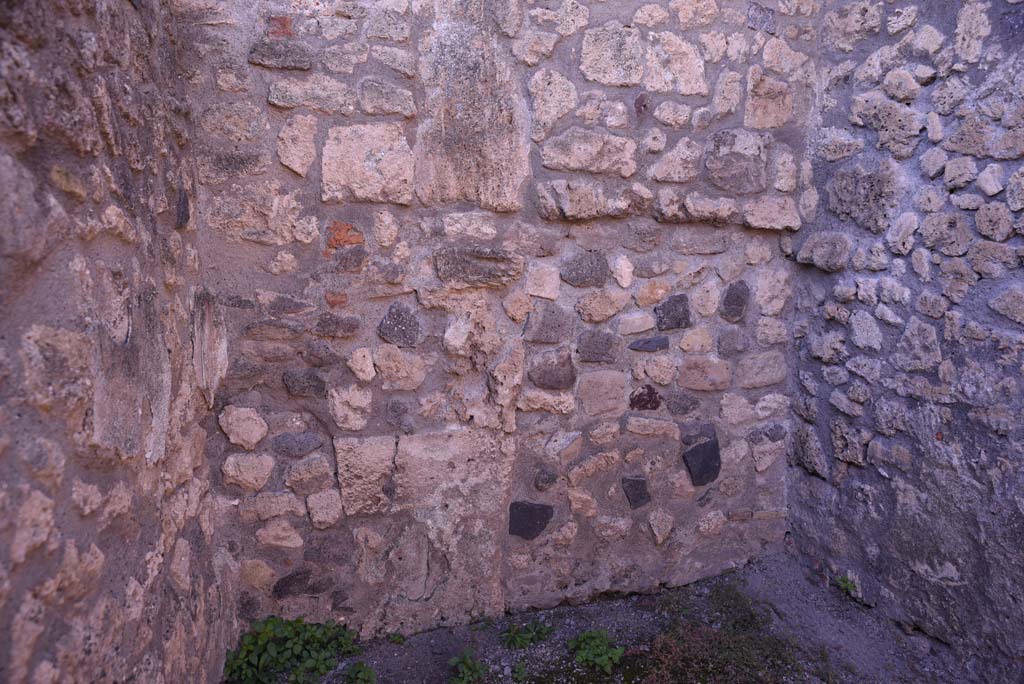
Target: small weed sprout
point(466, 669)
point(594, 649)
point(360, 673)
point(846, 585)
point(526, 636)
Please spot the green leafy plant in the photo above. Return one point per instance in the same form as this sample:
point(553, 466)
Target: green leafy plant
point(466, 669)
point(396, 639)
point(594, 649)
point(519, 673)
point(525, 636)
point(360, 673)
point(275, 647)
point(846, 584)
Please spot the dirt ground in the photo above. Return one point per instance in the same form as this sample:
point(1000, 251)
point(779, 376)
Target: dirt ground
point(831, 638)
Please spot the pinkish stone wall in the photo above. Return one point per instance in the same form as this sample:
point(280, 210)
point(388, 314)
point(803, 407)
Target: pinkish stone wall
point(111, 567)
point(406, 312)
point(505, 295)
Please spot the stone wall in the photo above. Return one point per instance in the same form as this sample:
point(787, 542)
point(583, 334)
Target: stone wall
point(909, 477)
point(505, 295)
point(406, 313)
point(110, 568)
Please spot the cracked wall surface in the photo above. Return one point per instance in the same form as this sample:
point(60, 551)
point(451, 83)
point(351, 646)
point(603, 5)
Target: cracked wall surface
point(406, 313)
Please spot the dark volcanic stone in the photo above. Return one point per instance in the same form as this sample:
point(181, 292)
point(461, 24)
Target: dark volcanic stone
point(271, 330)
point(338, 599)
point(549, 324)
point(296, 444)
point(396, 413)
point(248, 606)
point(643, 237)
point(184, 212)
point(319, 353)
point(597, 346)
point(681, 403)
point(528, 520)
point(333, 325)
point(586, 269)
point(734, 301)
point(304, 383)
point(761, 18)
point(702, 456)
point(645, 398)
point(732, 341)
point(350, 259)
point(477, 266)
point(635, 489)
point(768, 433)
point(553, 370)
point(650, 344)
point(673, 313)
point(544, 479)
point(399, 326)
point(292, 584)
point(278, 54)
point(642, 103)
point(286, 306)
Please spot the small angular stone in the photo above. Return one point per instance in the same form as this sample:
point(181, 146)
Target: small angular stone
point(553, 370)
point(734, 301)
point(304, 383)
point(477, 266)
point(277, 54)
point(737, 161)
point(645, 398)
point(597, 346)
point(1010, 304)
point(528, 520)
point(586, 269)
point(243, 426)
point(826, 250)
point(319, 92)
point(702, 456)
point(650, 344)
point(368, 163)
point(544, 479)
point(377, 96)
point(296, 143)
point(602, 392)
point(994, 221)
point(333, 325)
point(673, 313)
point(296, 444)
point(293, 584)
point(249, 471)
point(635, 489)
point(635, 322)
point(549, 324)
point(613, 55)
point(681, 403)
point(918, 348)
point(399, 326)
point(760, 18)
